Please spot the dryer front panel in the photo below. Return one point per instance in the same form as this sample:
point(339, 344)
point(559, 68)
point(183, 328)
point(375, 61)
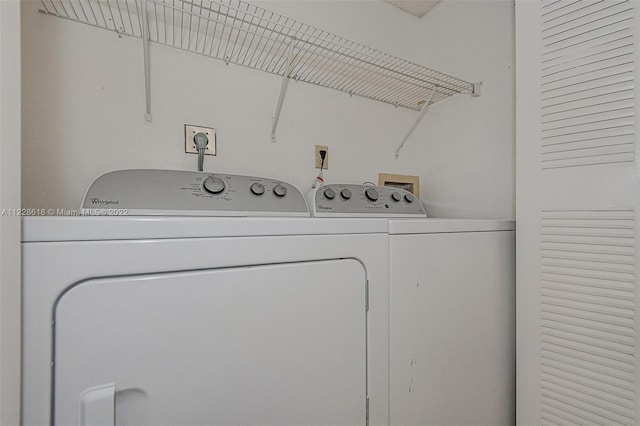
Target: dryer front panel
point(262, 345)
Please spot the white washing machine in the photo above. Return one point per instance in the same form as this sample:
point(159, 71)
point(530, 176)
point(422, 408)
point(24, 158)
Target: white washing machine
point(452, 308)
point(187, 320)
point(452, 322)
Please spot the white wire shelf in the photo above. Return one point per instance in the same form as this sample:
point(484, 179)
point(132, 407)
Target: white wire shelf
point(244, 34)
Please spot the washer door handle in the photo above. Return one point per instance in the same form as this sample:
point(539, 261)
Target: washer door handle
point(98, 406)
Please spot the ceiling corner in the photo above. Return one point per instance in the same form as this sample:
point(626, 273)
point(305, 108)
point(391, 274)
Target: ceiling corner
point(417, 8)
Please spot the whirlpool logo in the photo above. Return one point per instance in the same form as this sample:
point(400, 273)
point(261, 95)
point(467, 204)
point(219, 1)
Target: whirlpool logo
point(101, 202)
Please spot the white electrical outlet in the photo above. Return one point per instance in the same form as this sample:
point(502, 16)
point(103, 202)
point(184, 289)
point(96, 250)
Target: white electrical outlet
point(190, 145)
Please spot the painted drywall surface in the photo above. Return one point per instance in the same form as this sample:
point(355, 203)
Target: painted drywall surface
point(84, 105)
point(467, 146)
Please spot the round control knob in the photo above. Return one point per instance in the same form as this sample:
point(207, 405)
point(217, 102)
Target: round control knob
point(257, 188)
point(345, 193)
point(280, 190)
point(409, 198)
point(371, 194)
point(330, 193)
point(213, 184)
point(396, 196)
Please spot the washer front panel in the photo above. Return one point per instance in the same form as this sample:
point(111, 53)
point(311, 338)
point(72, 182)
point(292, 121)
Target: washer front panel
point(452, 328)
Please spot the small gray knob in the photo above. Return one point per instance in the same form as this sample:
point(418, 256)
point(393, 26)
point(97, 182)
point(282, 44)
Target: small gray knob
point(257, 188)
point(396, 196)
point(330, 193)
point(213, 184)
point(371, 194)
point(280, 190)
point(345, 193)
point(409, 198)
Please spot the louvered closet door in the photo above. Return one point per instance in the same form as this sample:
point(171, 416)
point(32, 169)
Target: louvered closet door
point(577, 197)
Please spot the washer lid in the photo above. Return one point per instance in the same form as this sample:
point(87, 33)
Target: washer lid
point(436, 226)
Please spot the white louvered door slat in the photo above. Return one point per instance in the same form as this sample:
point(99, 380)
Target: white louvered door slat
point(592, 69)
point(615, 35)
point(577, 212)
point(573, 30)
point(588, 111)
point(573, 8)
point(596, 95)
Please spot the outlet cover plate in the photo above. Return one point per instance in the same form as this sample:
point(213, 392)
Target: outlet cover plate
point(190, 146)
point(318, 158)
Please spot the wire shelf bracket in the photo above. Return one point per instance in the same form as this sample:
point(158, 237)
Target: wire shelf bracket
point(241, 33)
point(423, 112)
point(283, 89)
point(476, 91)
point(145, 54)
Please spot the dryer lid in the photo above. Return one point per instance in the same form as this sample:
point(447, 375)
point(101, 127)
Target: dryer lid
point(99, 228)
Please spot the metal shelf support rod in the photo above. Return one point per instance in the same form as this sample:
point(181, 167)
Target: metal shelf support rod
point(421, 115)
point(145, 52)
point(283, 90)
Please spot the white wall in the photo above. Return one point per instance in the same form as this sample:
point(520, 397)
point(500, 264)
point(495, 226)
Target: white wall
point(10, 292)
point(84, 97)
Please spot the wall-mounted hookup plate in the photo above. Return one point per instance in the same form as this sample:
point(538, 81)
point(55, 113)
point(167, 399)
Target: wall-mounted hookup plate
point(189, 143)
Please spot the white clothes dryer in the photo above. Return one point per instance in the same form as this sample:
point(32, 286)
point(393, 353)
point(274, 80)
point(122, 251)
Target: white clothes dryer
point(189, 320)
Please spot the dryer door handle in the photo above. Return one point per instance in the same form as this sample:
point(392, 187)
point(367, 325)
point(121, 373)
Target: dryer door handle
point(98, 406)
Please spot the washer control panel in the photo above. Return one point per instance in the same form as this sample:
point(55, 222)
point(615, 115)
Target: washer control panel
point(346, 200)
point(184, 193)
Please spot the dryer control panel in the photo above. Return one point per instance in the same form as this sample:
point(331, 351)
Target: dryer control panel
point(348, 200)
point(184, 193)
